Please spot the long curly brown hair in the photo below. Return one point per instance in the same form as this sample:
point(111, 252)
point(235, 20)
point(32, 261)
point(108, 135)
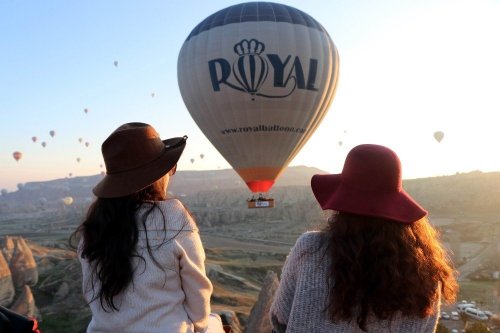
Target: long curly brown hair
point(381, 267)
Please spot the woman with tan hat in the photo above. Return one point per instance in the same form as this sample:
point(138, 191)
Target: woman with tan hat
point(141, 255)
point(378, 266)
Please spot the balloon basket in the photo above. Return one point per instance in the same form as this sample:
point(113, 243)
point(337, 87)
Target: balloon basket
point(260, 202)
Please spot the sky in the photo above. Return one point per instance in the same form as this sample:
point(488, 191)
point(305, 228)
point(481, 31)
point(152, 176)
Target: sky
point(407, 70)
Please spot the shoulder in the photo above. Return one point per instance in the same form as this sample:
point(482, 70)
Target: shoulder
point(310, 239)
point(178, 216)
point(308, 243)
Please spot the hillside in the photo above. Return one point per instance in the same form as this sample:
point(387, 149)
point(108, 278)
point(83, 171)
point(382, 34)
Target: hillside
point(242, 245)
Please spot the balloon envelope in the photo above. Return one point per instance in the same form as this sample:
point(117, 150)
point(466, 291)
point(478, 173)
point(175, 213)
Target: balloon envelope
point(52, 133)
point(44, 144)
point(67, 201)
point(33, 138)
point(258, 83)
point(17, 155)
point(438, 135)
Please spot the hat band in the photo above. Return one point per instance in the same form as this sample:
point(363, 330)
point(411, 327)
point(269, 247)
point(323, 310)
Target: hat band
point(177, 144)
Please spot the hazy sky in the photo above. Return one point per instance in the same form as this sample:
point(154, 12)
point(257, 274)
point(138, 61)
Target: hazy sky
point(407, 69)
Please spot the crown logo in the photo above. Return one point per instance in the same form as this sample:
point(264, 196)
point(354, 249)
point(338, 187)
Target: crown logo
point(246, 47)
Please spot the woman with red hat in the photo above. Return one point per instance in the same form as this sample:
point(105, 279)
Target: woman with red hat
point(378, 266)
point(141, 254)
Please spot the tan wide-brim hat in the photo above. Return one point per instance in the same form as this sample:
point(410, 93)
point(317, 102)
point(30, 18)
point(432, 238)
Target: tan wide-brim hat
point(370, 184)
point(136, 157)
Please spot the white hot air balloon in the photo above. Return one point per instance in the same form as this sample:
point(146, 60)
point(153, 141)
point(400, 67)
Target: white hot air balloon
point(258, 84)
point(438, 135)
point(67, 201)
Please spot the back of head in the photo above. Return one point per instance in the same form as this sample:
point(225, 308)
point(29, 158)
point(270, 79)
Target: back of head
point(382, 267)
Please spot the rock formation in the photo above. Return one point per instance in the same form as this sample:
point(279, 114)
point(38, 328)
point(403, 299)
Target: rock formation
point(6, 285)
point(258, 321)
point(25, 303)
point(23, 265)
point(18, 272)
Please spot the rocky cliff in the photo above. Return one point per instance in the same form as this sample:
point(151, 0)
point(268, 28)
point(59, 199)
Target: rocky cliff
point(18, 274)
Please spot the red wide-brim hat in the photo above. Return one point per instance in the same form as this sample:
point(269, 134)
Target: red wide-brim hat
point(370, 184)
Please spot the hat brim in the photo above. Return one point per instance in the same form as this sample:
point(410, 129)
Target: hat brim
point(125, 183)
point(331, 193)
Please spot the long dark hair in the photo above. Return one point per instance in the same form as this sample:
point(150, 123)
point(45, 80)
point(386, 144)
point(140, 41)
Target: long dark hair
point(110, 234)
point(382, 267)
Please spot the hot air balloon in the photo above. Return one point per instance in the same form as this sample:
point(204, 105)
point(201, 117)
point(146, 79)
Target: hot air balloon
point(258, 83)
point(17, 155)
point(34, 138)
point(192, 160)
point(52, 133)
point(152, 94)
point(438, 135)
point(80, 140)
point(86, 110)
point(44, 144)
point(70, 174)
point(202, 155)
point(87, 144)
point(67, 201)
point(115, 63)
point(78, 159)
point(340, 143)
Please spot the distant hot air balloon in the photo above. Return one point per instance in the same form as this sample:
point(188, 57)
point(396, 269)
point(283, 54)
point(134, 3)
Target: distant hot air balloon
point(87, 144)
point(152, 94)
point(115, 63)
point(340, 143)
point(70, 174)
point(258, 85)
point(52, 133)
point(67, 201)
point(202, 155)
point(34, 138)
point(17, 155)
point(78, 159)
point(80, 140)
point(192, 160)
point(44, 144)
point(86, 110)
point(100, 165)
point(438, 135)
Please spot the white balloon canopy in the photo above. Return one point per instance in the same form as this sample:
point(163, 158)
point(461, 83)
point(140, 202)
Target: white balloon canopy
point(258, 78)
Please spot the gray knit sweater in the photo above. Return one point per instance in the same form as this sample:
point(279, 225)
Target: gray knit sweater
point(302, 296)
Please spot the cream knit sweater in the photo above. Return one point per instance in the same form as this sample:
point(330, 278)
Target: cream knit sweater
point(176, 300)
point(302, 296)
